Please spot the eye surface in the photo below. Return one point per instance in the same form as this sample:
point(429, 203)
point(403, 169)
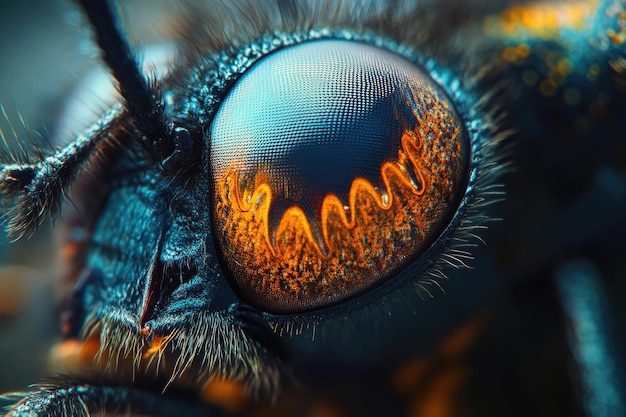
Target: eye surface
point(334, 164)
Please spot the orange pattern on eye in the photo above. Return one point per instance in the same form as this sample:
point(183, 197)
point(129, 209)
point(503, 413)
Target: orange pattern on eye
point(334, 218)
point(304, 263)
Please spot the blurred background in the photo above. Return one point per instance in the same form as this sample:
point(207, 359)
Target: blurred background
point(38, 57)
point(536, 327)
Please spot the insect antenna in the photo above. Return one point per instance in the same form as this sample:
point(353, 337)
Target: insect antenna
point(36, 189)
point(142, 100)
point(169, 145)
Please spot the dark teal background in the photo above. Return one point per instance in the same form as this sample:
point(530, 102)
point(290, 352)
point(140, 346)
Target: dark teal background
point(566, 201)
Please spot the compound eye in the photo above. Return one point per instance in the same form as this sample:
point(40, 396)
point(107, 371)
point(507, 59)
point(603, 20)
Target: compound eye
point(335, 165)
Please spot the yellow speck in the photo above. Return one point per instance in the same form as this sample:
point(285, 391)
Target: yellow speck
point(515, 54)
point(617, 38)
point(540, 19)
point(230, 395)
point(523, 50)
point(565, 67)
point(158, 345)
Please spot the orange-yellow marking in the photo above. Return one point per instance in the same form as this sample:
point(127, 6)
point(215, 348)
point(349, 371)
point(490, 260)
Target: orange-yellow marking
point(230, 395)
point(355, 242)
point(75, 356)
point(432, 383)
point(80, 357)
point(13, 288)
point(158, 345)
point(540, 19)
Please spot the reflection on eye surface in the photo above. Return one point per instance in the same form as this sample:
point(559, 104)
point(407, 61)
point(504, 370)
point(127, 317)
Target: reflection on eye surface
point(334, 164)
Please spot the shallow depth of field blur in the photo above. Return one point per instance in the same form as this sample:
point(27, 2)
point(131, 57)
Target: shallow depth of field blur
point(565, 209)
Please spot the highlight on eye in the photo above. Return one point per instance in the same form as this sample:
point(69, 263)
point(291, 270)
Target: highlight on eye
point(334, 165)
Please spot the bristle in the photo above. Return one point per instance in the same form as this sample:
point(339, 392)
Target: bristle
point(37, 189)
point(212, 347)
point(14, 158)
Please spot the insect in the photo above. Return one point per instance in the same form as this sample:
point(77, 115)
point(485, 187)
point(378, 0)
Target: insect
point(220, 259)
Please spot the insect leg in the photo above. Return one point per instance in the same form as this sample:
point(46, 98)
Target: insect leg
point(82, 399)
point(38, 188)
